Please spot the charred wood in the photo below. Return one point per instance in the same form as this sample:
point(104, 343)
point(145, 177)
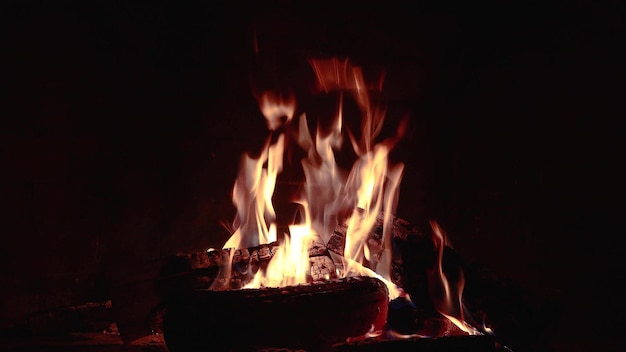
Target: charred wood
point(211, 269)
point(87, 317)
point(441, 344)
point(312, 316)
point(413, 254)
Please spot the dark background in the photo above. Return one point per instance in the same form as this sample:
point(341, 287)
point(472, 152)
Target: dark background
point(122, 124)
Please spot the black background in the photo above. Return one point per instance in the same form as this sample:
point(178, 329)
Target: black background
point(122, 124)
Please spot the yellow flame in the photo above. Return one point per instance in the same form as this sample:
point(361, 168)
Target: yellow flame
point(290, 264)
point(252, 196)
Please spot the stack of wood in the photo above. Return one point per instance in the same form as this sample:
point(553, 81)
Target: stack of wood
point(210, 268)
point(232, 269)
point(351, 306)
point(205, 306)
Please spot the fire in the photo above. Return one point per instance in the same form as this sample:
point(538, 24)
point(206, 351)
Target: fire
point(361, 198)
point(287, 266)
point(252, 196)
point(276, 108)
point(369, 189)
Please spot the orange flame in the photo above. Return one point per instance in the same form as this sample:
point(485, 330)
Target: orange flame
point(448, 301)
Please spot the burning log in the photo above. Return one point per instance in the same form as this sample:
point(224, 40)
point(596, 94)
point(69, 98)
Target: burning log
point(228, 268)
point(224, 269)
point(311, 316)
point(413, 255)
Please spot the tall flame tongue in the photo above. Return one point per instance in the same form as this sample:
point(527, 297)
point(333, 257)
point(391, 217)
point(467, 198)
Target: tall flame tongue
point(448, 299)
point(374, 185)
point(368, 190)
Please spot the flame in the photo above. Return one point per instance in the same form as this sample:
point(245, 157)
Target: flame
point(325, 182)
point(276, 108)
point(449, 301)
point(329, 193)
point(371, 178)
point(290, 264)
point(252, 196)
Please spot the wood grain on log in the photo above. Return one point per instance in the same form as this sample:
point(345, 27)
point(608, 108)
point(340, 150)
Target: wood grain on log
point(413, 253)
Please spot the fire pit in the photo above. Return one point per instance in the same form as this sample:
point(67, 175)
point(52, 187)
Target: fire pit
point(326, 280)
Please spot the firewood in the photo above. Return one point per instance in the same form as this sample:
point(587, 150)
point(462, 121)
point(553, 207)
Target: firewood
point(400, 229)
point(322, 268)
point(210, 270)
point(87, 317)
point(138, 292)
point(310, 316)
point(449, 343)
point(413, 253)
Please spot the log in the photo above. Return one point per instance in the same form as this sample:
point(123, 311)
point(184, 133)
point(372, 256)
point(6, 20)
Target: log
point(311, 316)
point(139, 291)
point(208, 267)
point(87, 317)
point(413, 254)
point(481, 343)
point(141, 295)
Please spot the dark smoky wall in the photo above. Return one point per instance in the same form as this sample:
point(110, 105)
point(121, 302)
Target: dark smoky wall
point(123, 124)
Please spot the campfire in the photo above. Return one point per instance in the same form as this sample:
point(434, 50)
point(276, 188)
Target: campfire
point(346, 272)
